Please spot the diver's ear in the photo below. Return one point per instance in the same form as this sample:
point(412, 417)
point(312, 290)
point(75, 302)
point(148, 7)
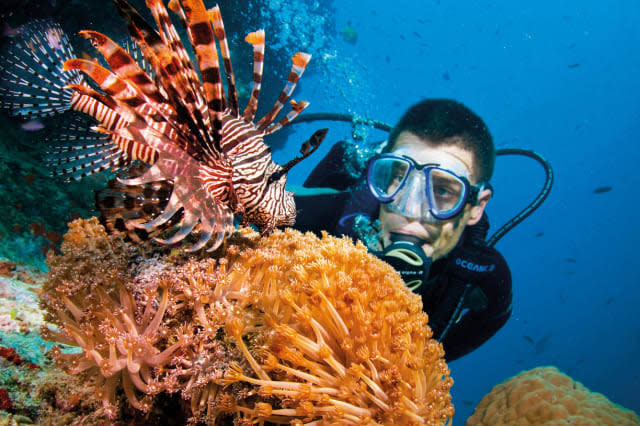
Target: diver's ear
point(478, 209)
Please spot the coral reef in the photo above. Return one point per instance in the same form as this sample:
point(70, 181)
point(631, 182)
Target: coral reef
point(20, 354)
point(545, 396)
point(288, 328)
point(19, 313)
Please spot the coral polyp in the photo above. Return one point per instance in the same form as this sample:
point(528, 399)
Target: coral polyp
point(288, 328)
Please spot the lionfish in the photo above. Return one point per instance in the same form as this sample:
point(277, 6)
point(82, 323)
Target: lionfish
point(188, 158)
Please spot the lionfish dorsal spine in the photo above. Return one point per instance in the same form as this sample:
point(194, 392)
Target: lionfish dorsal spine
point(121, 63)
point(186, 69)
point(174, 72)
point(218, 27)
point(256, 39)
point(299, 63)
point(154, 106)
point(196, 20)
point(296, 108)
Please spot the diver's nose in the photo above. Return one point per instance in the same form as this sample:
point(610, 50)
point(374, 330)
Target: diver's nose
point(414, 200)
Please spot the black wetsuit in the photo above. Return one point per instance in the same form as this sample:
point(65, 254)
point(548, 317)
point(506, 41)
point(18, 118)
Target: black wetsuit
point(468, 293)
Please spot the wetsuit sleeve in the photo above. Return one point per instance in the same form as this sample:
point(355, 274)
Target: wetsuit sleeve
point(319, 212)
point(337, 170)
point(322, 211)
point(487, 307)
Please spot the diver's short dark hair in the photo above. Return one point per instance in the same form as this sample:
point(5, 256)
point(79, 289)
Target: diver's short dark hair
point(445, 121)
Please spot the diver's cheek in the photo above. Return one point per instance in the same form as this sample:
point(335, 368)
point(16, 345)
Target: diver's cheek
point(446, 241)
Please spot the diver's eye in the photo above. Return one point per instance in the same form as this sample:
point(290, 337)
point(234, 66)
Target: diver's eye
point(442, 191)
point(395, 182)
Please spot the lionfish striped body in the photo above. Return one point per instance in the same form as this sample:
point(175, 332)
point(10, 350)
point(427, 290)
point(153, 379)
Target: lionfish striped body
point(206, 161)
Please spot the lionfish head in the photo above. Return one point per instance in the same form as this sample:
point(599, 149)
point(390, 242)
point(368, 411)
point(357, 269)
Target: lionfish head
point(282, 206)
point(289, 218)
point(280, 210)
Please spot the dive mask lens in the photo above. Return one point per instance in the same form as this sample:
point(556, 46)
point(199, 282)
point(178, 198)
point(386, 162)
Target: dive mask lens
point(386, 176)
point(405, 255)
point(447, 193)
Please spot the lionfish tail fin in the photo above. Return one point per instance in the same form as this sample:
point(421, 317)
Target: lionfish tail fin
point(256, 39)
point(32, 80)
point(299, 63)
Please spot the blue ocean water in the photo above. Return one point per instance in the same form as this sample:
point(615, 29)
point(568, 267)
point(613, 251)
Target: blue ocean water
point(556, 77)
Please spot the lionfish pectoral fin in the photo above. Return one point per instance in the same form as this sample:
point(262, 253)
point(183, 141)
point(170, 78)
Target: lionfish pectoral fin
point(122, 206)
point(171, 209)
point(208, 229)
point(199, 207)
point(189, 222)
point(153, 174)
point(32, 81)
point(204, 239)
point(216, 243)
point(219, 224)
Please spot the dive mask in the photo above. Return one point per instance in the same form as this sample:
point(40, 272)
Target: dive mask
point(419, 191)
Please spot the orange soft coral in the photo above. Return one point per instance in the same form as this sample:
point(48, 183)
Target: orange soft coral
point(286, 328)
point(546, 396)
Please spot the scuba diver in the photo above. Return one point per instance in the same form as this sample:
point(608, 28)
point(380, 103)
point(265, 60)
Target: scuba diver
point(419, 204)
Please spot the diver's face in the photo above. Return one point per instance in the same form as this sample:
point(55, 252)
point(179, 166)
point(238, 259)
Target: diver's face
point(441, 235)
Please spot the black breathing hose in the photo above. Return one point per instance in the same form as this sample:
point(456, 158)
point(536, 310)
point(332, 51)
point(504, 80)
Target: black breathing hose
point(511, 223)
point(348, 118)
point(533, 205)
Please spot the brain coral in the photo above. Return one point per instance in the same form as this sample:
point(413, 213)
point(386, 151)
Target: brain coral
point(288, 328)
point(545, 396)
